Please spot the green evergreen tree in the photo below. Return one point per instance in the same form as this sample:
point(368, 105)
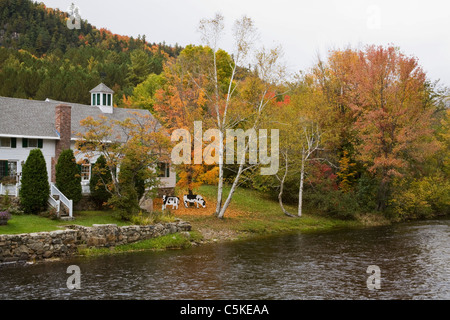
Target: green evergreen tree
point(139, 68)
point(100, 179)
point(35, 189)
point(68, 178)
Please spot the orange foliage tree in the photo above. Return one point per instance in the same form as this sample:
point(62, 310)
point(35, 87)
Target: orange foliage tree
point(377, 99)
point(183, 100)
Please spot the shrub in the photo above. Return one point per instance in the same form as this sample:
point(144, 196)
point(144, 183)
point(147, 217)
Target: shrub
point(333, 203)
point(152, 218)
point(68, 178)
point(100, 179)
point(131, 188)
point(125, 204)
point(5, 215)
point(6, 201)
point(421, 198)
point(366, 193)
point(12, 206)
point(15, 210)
point(35, 189)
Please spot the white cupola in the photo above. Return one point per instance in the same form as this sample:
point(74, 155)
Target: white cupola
point(102, 97)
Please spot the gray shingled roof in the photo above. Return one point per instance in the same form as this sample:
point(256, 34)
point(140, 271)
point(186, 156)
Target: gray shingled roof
point(32, 118)
point(102, 88)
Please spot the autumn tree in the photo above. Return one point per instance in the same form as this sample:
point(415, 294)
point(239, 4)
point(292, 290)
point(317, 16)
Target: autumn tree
point(242, 100)
point(392, 123)
point(207, 84)
point(281, 117)
point(300, 143)
point(375, 110)
point(137, 144)
point(346, 172)
point(182, 100)
point(144, 93)
point(444, 137)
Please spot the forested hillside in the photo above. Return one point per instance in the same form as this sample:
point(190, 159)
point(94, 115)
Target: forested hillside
point(40, 57)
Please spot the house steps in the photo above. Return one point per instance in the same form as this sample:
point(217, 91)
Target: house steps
point(63, 205)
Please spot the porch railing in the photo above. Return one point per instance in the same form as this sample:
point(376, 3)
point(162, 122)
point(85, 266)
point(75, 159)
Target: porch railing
point(10, 189)
point(54, 191)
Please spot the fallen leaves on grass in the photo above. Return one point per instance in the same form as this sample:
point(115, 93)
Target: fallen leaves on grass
point(192, 210)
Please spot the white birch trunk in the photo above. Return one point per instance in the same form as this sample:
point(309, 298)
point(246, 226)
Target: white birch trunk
point(280, 194)
point(230, 195)
point(235, 184)
point(300, 191)
point(220, 182)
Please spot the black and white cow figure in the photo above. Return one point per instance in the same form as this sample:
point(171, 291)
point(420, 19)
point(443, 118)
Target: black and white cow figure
point(195, 199)
point(170, 201)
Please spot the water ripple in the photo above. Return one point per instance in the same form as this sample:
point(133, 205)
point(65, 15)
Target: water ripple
point(414, 259)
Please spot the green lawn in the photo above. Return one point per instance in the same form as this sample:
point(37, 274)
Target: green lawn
point(33, 223)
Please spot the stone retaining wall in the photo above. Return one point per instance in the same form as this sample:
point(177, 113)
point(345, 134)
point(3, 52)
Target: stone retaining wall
point(65, 243)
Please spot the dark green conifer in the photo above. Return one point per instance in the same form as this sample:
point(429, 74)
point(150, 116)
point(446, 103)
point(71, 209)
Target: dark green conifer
point(68, 178)
point(35, 188)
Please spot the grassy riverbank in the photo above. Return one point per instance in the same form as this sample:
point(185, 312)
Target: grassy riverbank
point(170, 241)
point(251, 214)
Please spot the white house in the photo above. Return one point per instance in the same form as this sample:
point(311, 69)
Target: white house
point(53, 126)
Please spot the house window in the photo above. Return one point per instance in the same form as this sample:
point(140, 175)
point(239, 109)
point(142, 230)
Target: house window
point(164, 170)
point(98, 99)
point(5, 142)
point(8, 169)
point(109, 100)
point(32, 143)
point(12, 168)
point(93, 99)
point(86, 171)
point(8, 142)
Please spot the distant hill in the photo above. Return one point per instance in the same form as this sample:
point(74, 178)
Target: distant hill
point(40, 57)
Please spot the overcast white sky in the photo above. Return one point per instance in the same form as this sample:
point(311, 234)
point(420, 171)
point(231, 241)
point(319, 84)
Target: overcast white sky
point(302, 28)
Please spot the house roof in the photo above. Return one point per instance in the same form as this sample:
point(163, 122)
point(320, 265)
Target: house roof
point(101, 88)
point(36, 119)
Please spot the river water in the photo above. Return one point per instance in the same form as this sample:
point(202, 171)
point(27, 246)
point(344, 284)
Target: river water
point(413, 258)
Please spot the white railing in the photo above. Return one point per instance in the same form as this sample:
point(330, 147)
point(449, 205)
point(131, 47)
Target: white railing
point(10, 189)
point(55, 204)
point(54, 191)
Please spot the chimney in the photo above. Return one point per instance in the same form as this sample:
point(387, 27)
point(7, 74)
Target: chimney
point(63, 126)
